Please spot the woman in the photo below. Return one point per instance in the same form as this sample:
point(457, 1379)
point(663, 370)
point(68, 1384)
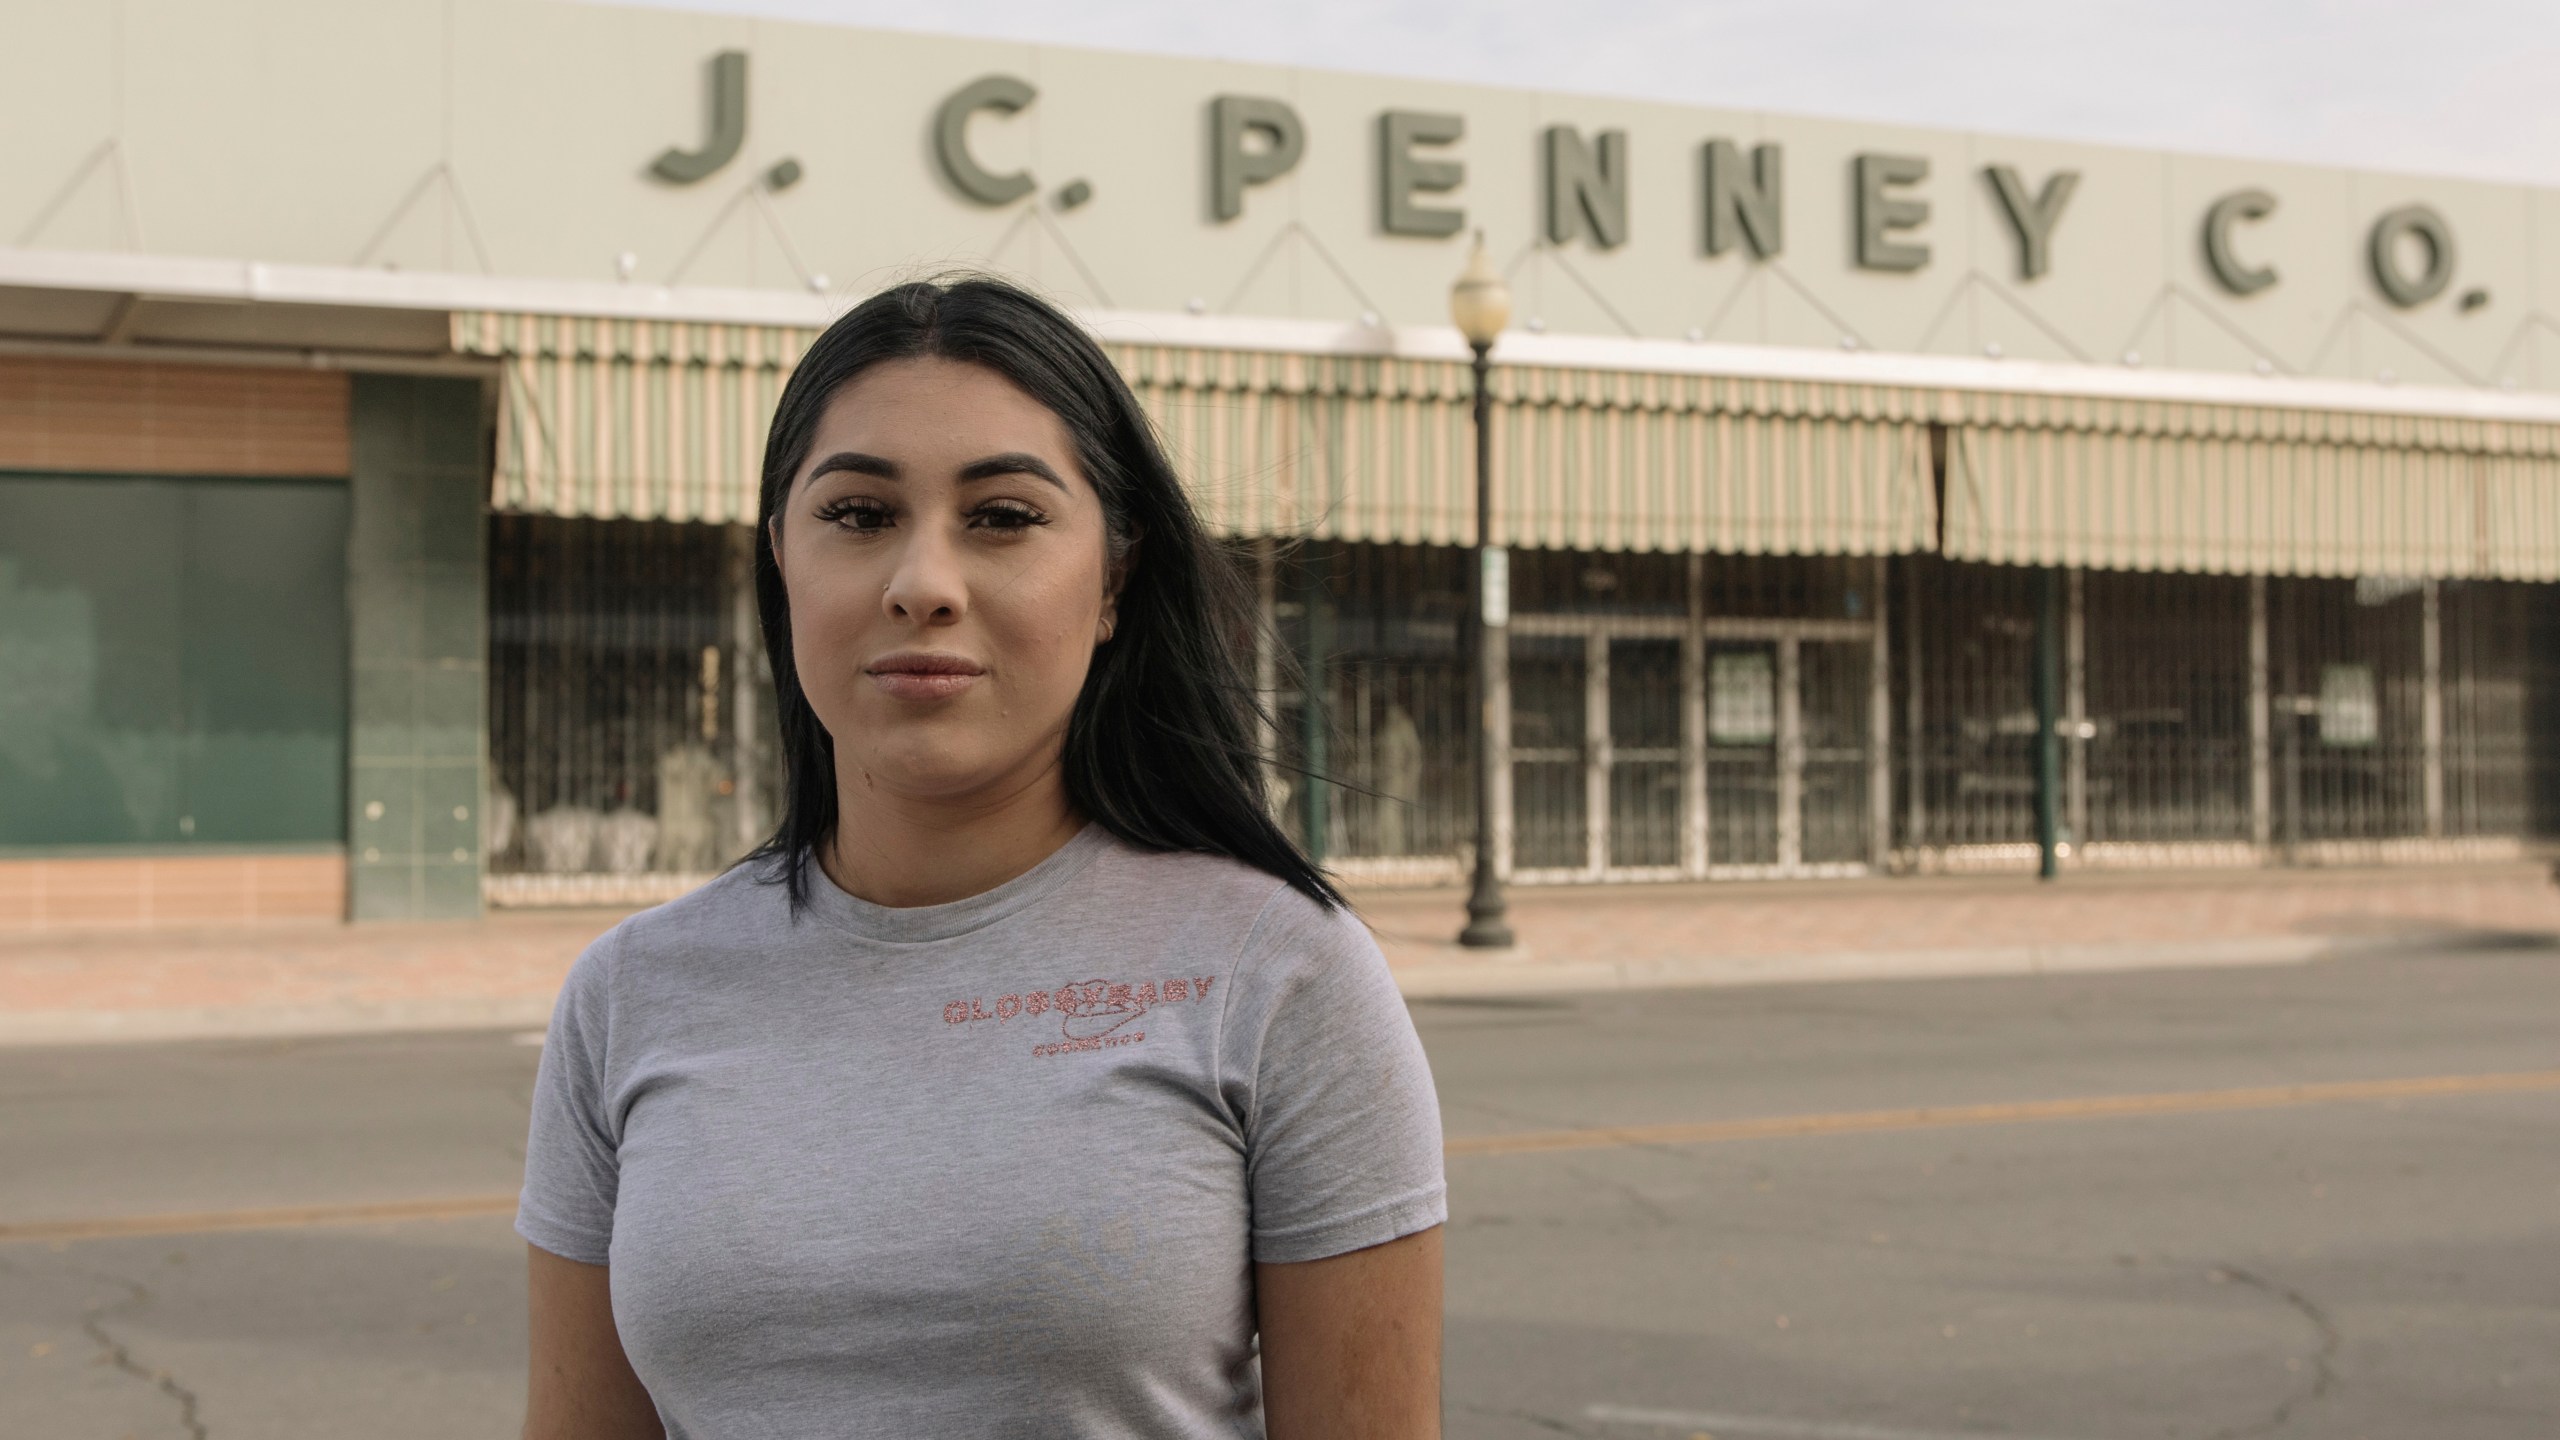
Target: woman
point(1029, 1081)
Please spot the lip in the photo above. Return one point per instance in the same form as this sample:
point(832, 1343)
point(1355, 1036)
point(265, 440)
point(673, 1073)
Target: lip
point(924, 675)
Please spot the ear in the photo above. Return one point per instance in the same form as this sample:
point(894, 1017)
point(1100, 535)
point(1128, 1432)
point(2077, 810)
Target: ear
point(1115, 578)
point(773, 540)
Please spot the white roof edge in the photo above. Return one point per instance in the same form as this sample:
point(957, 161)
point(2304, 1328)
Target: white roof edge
point(185, 278)
point(1849, 367)
point(170, 277)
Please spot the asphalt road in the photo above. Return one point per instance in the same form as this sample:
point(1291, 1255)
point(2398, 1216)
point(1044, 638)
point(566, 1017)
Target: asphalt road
point(1920, 1210)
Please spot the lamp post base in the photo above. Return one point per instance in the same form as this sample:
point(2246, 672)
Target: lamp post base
point(1488, 927)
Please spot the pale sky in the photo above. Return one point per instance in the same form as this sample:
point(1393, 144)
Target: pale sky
point(2464, 87)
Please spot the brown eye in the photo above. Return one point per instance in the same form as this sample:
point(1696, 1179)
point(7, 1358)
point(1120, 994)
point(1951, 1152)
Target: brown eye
point(1006, 517)
point(855, 514)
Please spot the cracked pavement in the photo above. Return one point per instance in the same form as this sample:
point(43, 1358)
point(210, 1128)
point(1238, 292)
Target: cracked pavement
point(2379, 1269)
point(390, 1330)
point(120, 1355)
point(2370, 1269)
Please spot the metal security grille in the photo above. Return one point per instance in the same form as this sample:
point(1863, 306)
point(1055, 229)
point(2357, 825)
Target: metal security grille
point(1550, 748)
point(1690, 717)
point(2346, 660)
point(2493, 679)
point(1596, 719)
point(1744, 755)
point(1698, 716)
point(1378, 627)
point(1644, 754)
point(1964, 697)
point(2159, 739)
point(1670, 715)
point(628, 709)
point(2218, 719)
point(1786, 587)
point(1834, 681)
point(1583, 582)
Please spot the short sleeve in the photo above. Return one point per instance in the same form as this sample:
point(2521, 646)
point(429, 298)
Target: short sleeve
point(1342, 1125)
point(572, 1164)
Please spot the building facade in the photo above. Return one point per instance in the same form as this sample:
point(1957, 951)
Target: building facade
point(382, 392)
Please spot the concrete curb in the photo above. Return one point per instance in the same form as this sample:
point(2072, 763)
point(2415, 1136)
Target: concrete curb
point(1472, 976)
point(1428, 973)
point(266, 1022)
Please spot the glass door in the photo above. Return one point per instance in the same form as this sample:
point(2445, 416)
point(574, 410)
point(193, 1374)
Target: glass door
point(1743, 754)
point(1834, 681)
point(1550, 800)
point(1644, 819)
point(1603, 782)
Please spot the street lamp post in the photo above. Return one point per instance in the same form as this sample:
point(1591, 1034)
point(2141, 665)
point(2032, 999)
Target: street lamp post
point(1480, 303)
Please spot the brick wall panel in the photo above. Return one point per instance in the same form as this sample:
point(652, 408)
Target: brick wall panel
point(138, 417)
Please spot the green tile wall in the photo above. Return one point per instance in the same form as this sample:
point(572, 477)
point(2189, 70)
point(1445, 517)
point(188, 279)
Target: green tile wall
point(417, 593)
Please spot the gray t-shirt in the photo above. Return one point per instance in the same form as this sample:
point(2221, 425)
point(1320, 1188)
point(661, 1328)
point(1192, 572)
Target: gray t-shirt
point(992, 1168)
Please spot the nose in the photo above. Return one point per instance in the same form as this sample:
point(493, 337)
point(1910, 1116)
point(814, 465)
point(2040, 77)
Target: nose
point(927, 587)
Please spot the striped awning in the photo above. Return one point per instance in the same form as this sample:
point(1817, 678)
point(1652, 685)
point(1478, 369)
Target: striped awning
point(666, 420)
point(1382, 449)
point(631, 419)
point(2248, 489)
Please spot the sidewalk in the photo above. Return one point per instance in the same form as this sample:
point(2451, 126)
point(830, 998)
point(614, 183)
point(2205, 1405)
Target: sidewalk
point(302, 978)
point(1599, 937)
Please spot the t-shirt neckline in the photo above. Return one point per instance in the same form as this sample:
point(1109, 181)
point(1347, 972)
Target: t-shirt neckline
point(920, 924)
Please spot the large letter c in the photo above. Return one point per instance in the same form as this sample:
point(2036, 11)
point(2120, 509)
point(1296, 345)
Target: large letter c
point(2236, 275)
point(1001, 93)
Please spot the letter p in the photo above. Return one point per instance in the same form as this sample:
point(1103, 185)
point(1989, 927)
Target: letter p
point(1232, 166)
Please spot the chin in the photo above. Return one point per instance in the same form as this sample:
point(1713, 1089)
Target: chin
point(925, 770)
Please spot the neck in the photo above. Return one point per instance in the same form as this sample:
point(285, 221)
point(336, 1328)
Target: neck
point(904, 851)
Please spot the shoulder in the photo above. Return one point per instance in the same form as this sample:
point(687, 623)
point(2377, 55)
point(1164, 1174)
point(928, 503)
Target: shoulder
point(664, 943)
point(1292, 924)
point(732, 905)
point(1214, 898)
point(1282, 950)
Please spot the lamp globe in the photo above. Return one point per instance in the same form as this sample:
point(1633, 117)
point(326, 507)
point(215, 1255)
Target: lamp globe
point(1480, 301)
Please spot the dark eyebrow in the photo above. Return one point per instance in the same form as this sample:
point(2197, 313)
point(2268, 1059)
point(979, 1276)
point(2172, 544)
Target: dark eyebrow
point(1011, 462)
point(856, 462)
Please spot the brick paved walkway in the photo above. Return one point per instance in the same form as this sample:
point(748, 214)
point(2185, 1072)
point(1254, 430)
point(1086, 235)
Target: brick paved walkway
point(1933, 913)
point(288, 977)
point(1707, 934)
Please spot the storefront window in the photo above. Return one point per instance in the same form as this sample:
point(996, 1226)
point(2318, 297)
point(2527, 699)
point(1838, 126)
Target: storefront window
point(2347, 667)
point(630, 715)
point(1390, 734)
point(173, 662)
point(1591, 582)
point(2165, 675)
point(2498, 693)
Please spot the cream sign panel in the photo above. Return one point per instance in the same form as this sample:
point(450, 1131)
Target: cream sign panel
point(527, 138)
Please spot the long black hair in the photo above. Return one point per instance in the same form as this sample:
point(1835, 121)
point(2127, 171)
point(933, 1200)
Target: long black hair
point(1160, 748)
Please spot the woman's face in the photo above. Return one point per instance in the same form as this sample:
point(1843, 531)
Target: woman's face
point(948, 573)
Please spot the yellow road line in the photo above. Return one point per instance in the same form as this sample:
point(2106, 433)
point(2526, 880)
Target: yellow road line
point(1767, 1127)
point(2096, 1107)
point(290, 1217)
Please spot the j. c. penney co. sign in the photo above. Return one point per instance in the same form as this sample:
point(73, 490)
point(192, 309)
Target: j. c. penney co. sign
point(1739, 200)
